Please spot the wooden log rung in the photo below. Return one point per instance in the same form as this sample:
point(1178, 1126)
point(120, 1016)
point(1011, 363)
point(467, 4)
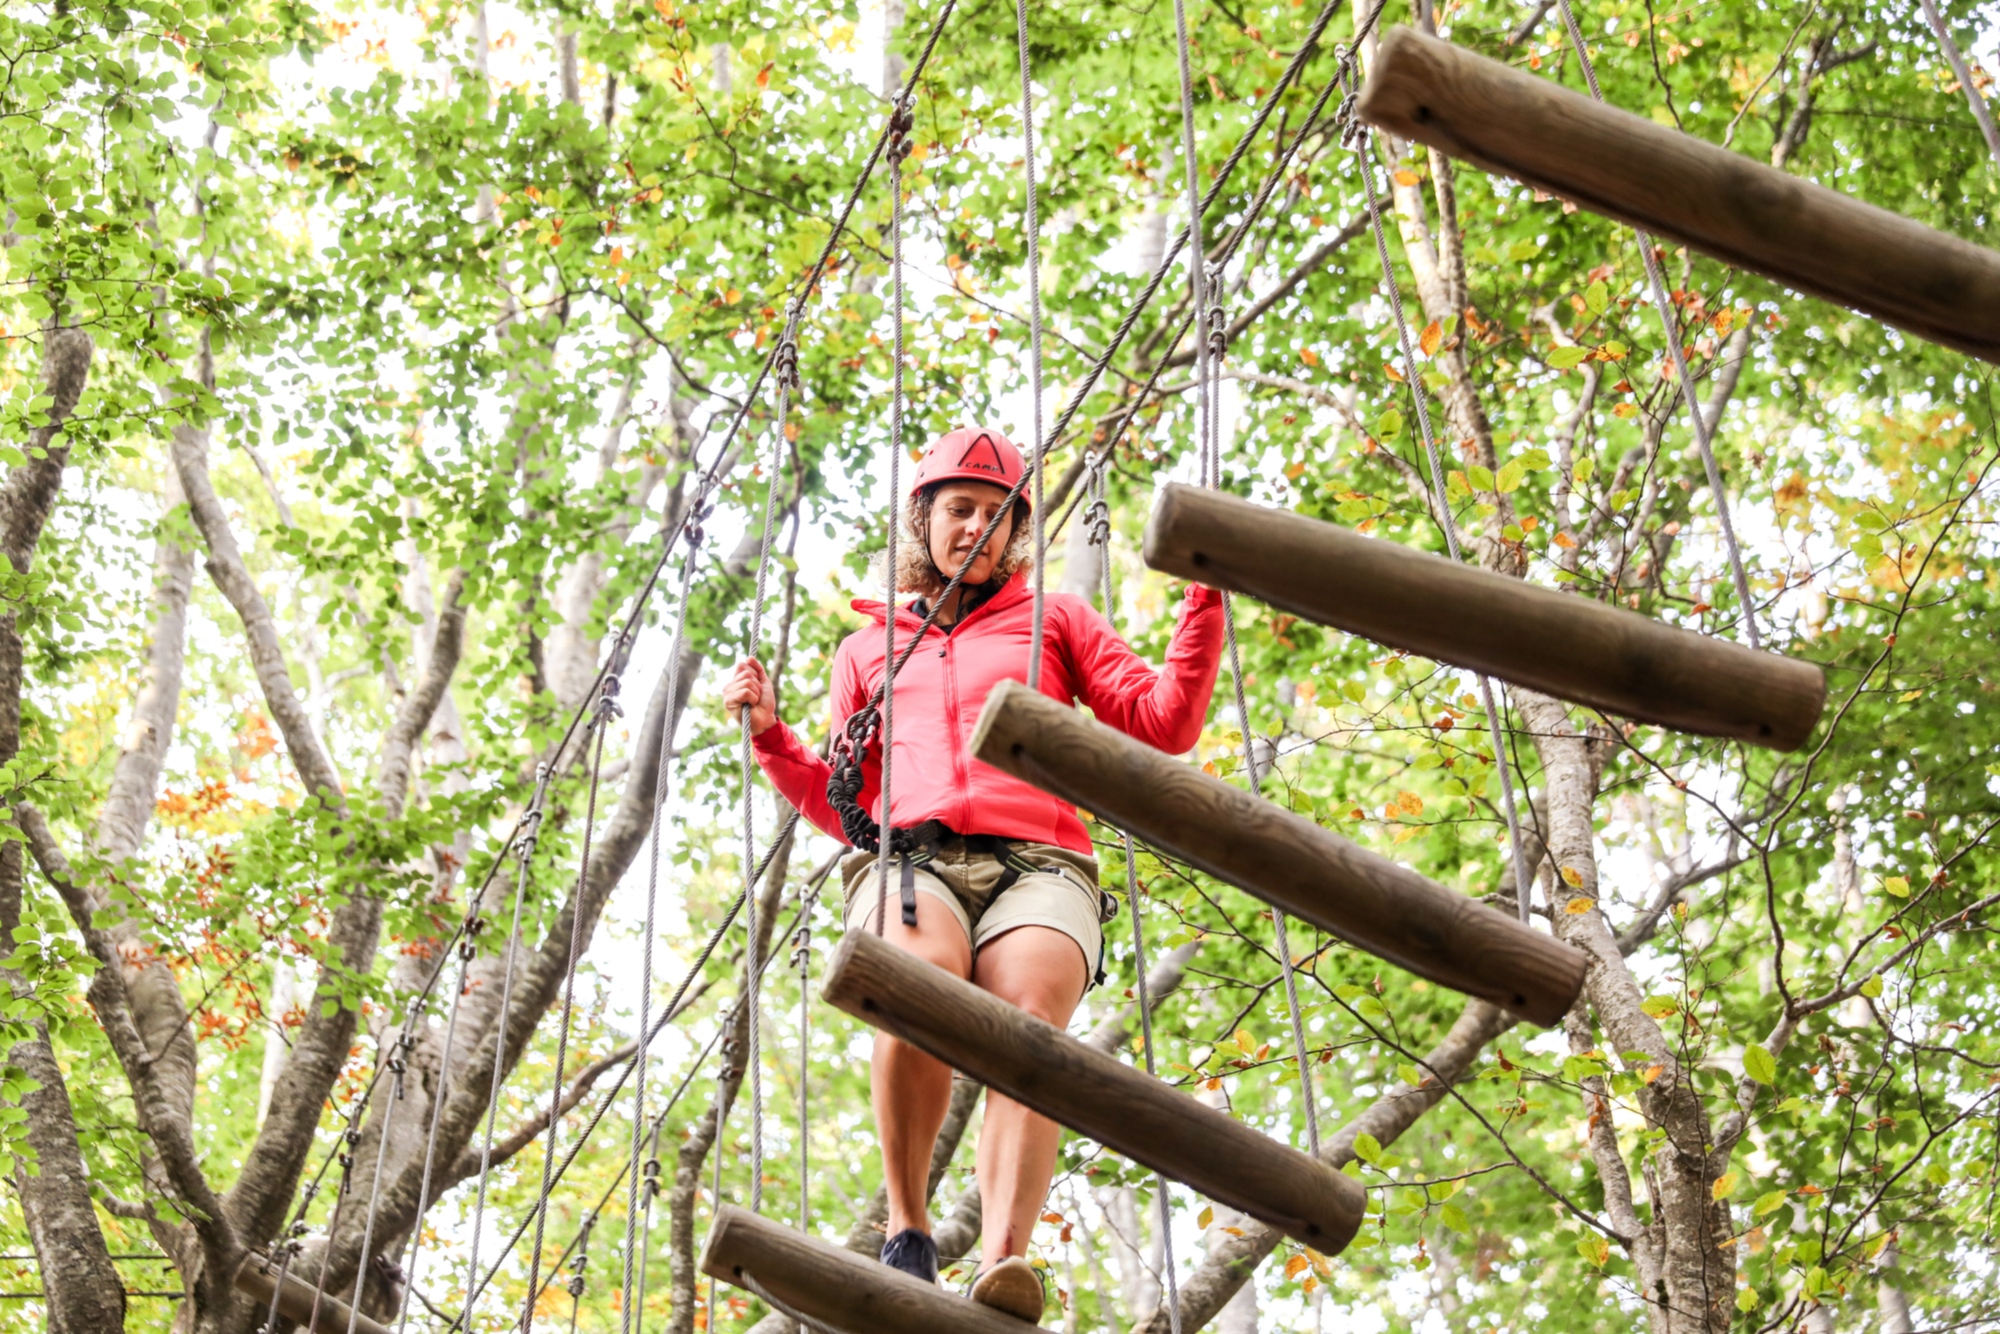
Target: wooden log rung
point(1123, 1108)
point(1574, 648)
point(1744, 213)
point(1282, 858)
point(258, 1276)
point(833, 1285)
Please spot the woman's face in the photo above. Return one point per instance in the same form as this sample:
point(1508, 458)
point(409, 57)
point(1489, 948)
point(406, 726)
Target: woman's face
point(960, 512)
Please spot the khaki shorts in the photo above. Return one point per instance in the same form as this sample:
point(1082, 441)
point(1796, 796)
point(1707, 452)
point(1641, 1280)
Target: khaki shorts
point(1063, 897)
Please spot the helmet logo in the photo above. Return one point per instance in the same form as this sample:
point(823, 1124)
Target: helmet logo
point(982, 454)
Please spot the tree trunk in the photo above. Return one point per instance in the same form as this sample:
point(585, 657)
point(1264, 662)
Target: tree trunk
point(87, 1295)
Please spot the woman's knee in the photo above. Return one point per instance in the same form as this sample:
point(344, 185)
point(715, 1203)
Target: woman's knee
point(1036, 969)
point(937, 938)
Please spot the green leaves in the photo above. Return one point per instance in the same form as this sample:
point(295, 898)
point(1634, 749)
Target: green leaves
point(1759, 1064)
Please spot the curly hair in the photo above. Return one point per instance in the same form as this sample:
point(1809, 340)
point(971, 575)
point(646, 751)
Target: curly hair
point(917, 573)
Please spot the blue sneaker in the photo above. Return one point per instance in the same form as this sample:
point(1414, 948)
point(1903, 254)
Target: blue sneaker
point(914, 1253)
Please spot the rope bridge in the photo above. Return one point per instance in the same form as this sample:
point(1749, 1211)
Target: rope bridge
point(1420, 89)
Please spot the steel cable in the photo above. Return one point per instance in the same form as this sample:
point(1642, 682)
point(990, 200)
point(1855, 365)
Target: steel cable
point(1703, 435)
point(1363, 146)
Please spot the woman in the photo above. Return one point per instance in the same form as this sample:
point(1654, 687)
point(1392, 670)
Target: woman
point(1004, 891)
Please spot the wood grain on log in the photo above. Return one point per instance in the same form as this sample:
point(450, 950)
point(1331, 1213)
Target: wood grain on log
point(1127, 1110)
point(832, 1284)
point(258, 1277)
point(1742, 212)
point(1560, 644)
point(1282, 858)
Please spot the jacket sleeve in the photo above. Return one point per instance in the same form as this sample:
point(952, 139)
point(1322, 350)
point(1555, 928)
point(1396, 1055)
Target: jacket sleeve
point(1164, 708)
point(795, 769)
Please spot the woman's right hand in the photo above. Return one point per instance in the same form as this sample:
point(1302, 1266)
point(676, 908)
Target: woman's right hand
point(750, 688)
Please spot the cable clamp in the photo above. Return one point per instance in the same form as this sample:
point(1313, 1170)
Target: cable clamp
point(786, 359)
point(607, 698)
point(901, 121)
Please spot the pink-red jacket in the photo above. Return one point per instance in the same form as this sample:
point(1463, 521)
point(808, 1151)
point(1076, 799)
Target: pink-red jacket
point(940, 691)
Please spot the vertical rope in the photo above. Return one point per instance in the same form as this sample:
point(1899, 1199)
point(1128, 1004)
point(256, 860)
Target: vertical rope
point(1215, 337)
point(468, 946)
point(900, 124)
point(524, 852)
point(1100, 535)
point(1034, 336)
point(788, 372)
point(607, 709)
point(1362, 141)
point(1678, 360)
point(1210, 336)
point(1197, 248)
point(802, 957)
point(652, 1193)
point(1980, 111)
point(662, 782)
point(398, 1062)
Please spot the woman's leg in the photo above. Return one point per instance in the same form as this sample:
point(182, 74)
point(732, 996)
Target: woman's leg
point(912, 1091)
point(1042, 971)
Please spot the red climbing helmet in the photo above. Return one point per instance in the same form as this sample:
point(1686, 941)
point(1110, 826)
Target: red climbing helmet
point(970, 454)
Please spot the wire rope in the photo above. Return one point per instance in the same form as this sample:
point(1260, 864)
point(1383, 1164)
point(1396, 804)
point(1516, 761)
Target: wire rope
point(1100, 535)
point(398, 1063)
point(899, 148)
point(863, 727)
point(1211, 336)
point(1036, 515)
point(809, 898)
point(787, 382)
point(1677, 359)
point(670, 1013)
point(466, 950)
point(1362, 141)
point(607, 709)
point(661, 786)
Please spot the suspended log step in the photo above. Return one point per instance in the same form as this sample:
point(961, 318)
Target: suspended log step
point(1743, 213)
point(833, 1285)
point(1284, 859)
point(1574, 648)
point(258, 1277)
point(1127, 1110)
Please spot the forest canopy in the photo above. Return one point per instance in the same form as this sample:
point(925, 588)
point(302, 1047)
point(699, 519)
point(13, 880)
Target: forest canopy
point(395, 415)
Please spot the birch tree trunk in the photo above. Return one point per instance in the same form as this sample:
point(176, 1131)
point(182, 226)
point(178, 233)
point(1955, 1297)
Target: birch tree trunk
point(82, 1286)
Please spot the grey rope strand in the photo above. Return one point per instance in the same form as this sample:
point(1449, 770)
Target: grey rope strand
point(397, 1063)
point(1036, 515)
point(899, 148)
point(1698, 419)
point(1101, 535)
point(671, 1013)
point(1209, 335)
point(661, 783)
point(1140, 303)
point(525, 851)
point(466, 949)
point(607, 709)
point(1364, 158)
point(1980, 111)
point(788, 369)
point(802, 956)
point(1197, 256)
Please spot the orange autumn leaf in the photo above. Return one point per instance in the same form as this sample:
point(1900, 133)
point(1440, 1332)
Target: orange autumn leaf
point(1431, 338)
